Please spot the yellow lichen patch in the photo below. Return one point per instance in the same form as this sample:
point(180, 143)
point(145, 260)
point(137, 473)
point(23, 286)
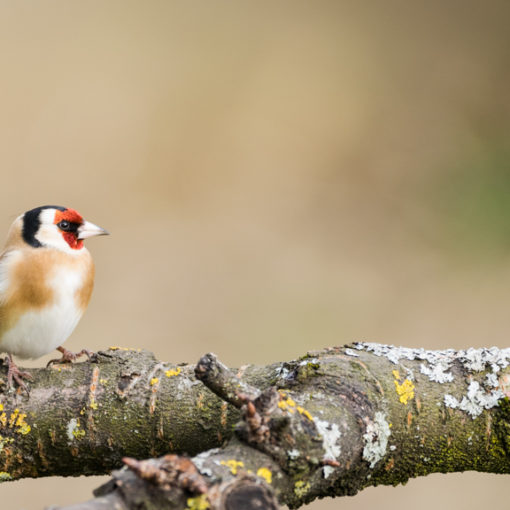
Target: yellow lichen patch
point(22, 427)
point(154, 381)
point(287, 404)
point(265, 473)
point(74, 429)
point(93, 403)
point(4, 476)
point(115, 348)
point(301, 488)
point(233, 465)
point(15, 421)
point(103, 381)
point(304, 412)
point(12, 419)
point(405, 391)
point(198, 503)
point(78, 433)
point(173, 373)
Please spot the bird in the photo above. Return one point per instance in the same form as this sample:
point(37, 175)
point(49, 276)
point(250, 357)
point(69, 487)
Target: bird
point(46, 281)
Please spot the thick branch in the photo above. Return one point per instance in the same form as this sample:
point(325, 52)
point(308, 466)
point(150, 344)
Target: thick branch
point(333, 423)
point(81, 419)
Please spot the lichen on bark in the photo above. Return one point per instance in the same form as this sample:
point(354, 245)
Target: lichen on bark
point(328, 424)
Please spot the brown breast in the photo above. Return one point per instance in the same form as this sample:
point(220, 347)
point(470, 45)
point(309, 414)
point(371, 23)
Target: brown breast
point(30, 275)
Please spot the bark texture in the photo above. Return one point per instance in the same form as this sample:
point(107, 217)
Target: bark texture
point(328, 424)
point(81, 419)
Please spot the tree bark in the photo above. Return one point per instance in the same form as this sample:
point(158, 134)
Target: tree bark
point(328, 424)
point(81, 419)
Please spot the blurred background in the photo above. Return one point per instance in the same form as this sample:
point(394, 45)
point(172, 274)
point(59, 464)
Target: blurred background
point(276, 176)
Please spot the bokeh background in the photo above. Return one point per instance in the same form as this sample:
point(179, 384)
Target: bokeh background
point(277, 177)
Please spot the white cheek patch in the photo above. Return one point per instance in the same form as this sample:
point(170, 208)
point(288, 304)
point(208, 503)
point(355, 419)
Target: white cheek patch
point(50, 235)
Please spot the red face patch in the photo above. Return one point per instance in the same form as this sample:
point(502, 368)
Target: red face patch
point(68, 215)
point(71, 216)
point(72, 240)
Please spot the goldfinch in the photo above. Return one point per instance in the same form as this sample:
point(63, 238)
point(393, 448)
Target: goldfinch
point(46, 280)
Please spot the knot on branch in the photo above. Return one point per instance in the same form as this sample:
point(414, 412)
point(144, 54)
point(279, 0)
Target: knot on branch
point(257, 415)
point(272, 421)
point(168, 472)
point(276, 425)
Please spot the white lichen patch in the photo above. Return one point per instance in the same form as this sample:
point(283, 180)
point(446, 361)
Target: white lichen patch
point(294, 454)
point(327, 471)
point(476, 399)
point(376, 439)
point(200, 459)
point(72, 428)
point(350, 352)
point(282, 372)
point(481, 394)
point(437, 372)
point(451, 402)
point(307, 361)
point(492, 380)
point(330, 434)
point(436, 364)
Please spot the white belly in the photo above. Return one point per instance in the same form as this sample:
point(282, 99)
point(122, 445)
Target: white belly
point(38, 332)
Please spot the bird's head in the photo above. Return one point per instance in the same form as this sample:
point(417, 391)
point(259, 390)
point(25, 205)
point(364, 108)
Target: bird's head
point(57, 227)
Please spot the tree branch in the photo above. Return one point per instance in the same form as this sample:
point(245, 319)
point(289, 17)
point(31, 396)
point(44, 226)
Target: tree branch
point(331, 424)
point(81, 419)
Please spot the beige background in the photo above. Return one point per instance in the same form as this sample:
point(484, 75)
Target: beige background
point(277, 177)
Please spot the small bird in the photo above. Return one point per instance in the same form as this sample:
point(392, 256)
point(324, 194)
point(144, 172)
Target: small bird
point(46, 280)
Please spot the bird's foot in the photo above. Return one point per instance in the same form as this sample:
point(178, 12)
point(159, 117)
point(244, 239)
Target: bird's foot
point(69, 357)
point(14, 374)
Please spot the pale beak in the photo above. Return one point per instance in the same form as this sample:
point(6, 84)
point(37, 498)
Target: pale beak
point(90, 230)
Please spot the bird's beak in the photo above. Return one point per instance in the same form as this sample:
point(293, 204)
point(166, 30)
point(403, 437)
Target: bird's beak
point(90, 230)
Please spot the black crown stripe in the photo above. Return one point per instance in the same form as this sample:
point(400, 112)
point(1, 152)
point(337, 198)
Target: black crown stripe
point(32, 222)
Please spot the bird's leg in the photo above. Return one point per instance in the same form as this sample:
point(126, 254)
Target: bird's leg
point(69, 357)
point(14, 373)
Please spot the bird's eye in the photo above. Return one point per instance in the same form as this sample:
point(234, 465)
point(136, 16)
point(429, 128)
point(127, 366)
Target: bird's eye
point(64, 225)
